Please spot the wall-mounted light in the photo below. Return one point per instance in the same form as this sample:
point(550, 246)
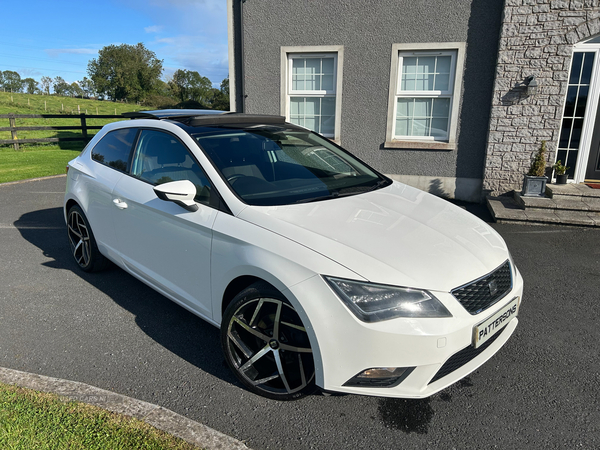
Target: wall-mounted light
point(531, 85)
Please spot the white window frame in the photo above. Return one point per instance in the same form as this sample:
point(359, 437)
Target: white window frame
point(454, 49)
point(288, 54)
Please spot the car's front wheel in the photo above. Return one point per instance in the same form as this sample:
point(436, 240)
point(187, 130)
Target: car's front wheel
point(266, 344)
point(83, 245)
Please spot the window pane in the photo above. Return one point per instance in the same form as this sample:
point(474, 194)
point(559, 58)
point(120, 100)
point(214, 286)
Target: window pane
point(586, 73)
point(442, 82)
point(315, 113)
point(424, 82)
point(439, 127)
point(311, 106)
point(426, 64)
point(296, 106)
point(327, 125)
point(405, 107)
point(328, 106)
point(113, 149)
point(298, 74)
point(441, 107)
point(570, 104)
point(408, 82)
point(420, 127)
point(576, 133)
point(327, 66)
point(313, 74)
point(422, 117)
point(422, 107)
point(402, 127)
point(327, 83)
point(409, 65)
point(576, 68)
point(581, 101)
point(565, 133)
point(443, 64)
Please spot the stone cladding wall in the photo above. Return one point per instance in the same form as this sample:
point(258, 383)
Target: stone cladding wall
point(536, 38)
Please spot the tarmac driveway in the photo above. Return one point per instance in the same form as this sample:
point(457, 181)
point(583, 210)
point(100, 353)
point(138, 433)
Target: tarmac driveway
point(109, 330)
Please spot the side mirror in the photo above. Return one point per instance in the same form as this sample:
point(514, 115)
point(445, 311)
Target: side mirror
point(180, 192)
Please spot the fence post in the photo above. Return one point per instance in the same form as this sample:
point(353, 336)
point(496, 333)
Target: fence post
point(83, 126)
point(13, 132)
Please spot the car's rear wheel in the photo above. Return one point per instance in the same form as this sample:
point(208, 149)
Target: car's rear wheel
point(83, 245)
point(266, 344)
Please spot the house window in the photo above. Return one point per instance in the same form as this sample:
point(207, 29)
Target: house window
point(424, 91)
point(312, 88)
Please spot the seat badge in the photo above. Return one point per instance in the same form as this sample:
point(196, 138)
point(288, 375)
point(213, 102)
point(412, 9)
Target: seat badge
point(493, 287)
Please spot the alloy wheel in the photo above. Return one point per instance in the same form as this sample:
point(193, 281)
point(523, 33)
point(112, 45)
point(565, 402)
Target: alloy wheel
point(79, 237)
point(269, 349)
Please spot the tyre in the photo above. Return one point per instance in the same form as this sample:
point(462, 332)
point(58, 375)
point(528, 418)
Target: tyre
point(83, 245)
point(266, 344)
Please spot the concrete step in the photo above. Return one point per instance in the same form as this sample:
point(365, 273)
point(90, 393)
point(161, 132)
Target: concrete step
point(559, 202)
point(506, 210)
point(571, 190)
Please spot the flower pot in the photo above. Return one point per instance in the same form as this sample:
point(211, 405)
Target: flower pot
point(534, 186)
point(561, 179)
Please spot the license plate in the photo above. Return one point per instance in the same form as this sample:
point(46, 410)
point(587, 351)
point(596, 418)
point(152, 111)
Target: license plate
point(492, 325)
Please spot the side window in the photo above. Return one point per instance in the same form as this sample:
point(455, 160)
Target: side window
point(160, 158)
point(113, 149)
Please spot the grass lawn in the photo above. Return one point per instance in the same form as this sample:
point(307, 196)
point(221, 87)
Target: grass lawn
point(37, 420)
point(36, 161)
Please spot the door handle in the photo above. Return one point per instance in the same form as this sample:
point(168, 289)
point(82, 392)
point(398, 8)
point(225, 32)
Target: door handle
point(119, 203)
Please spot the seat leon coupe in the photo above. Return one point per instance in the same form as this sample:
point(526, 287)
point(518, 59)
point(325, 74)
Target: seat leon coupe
point(318, 270)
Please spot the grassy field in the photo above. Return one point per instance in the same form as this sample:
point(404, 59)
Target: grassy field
point(39, 160)
point(34, 162)
point(36, 420)
point(49, 104)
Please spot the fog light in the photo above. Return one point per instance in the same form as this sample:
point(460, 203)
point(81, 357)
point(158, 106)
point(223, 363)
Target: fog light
point(380, 377)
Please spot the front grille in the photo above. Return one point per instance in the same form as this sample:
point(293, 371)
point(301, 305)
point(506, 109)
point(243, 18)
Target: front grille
point(480, 294)
point(461, 358)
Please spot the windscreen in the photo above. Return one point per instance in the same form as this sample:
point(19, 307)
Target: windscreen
point(269, 165)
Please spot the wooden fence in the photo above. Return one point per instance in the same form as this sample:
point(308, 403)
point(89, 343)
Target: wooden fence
point(81, 117)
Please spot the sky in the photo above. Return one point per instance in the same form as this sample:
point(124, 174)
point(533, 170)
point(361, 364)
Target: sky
point(59, 37)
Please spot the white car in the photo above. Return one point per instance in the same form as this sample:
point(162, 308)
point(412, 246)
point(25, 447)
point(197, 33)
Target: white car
point(318, 270)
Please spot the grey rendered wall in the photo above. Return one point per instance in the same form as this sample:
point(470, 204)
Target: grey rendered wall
point(367, 29)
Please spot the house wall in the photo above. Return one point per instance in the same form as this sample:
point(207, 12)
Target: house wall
point(537, 38)
point(367, 29)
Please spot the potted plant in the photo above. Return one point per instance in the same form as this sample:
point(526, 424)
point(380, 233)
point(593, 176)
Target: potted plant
point(534, 183)
point(560, 172)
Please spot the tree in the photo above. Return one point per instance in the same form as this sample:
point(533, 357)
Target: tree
point(190, 85)
point(60, 86)
point(125, 72)
point(87, 86)
point(31, 86)
point(225, 87)
point(75, 90)
point(11, 81)
point(45, 83)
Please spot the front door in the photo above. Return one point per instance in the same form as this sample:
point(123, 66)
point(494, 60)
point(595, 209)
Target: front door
point(166, 245)
point(592, 172)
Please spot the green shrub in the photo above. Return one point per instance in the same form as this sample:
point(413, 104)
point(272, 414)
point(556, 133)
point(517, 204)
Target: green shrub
point(538, 166)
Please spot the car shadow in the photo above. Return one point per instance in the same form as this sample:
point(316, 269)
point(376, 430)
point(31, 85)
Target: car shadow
point(168, 324)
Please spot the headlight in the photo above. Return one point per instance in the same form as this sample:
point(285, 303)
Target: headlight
point(376, 302)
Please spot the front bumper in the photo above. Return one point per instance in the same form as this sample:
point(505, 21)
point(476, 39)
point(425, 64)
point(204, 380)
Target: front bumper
point(343, 346)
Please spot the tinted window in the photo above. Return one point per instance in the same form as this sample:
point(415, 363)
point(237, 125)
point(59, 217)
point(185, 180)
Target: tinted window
point(114, 148)
point(277, 166)
point(161, 158)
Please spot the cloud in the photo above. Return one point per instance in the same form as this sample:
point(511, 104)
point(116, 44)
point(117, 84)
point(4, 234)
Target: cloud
point(56, 52)
point(154, 29)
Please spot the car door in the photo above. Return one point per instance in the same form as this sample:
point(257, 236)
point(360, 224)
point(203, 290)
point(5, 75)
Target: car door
point(159, 241)
point(110, 157)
